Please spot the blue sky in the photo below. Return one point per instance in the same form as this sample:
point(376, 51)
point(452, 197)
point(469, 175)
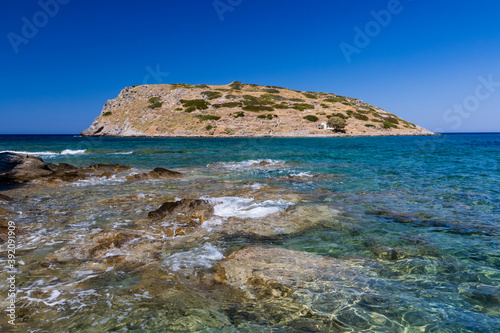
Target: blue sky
point(435, 63)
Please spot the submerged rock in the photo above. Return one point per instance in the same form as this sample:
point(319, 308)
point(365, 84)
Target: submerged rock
point(294, 285)
point(157, 173)
point(4, 230)
point(4, 197)
point(293, 220)
point(194, 209)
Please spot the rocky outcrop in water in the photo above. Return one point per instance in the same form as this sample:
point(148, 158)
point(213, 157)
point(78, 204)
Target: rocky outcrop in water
point(158, 174)
point(243, 110)
point(193, 209)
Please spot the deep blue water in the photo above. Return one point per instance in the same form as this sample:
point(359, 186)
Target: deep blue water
point(433, 201)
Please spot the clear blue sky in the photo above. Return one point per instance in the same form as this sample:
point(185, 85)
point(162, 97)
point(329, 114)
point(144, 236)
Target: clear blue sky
point(419, 64)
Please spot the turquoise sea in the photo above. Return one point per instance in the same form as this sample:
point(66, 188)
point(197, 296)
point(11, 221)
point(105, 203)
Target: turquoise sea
point(421, 213)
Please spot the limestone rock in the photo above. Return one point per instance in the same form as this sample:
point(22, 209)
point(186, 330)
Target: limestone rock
point(194, 209)
point(157, 173)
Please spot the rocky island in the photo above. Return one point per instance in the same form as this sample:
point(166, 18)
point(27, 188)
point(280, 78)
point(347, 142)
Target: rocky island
point(241, 110)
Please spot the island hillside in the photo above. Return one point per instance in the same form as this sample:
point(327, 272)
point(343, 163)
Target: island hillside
point(242, 110)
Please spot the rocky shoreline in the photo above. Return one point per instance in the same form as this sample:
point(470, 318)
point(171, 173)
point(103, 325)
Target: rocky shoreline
point(182, 224)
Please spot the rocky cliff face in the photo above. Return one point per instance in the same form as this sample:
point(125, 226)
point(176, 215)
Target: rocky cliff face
point(239, 109)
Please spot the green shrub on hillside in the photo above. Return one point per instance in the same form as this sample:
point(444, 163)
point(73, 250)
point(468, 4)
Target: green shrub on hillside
point(199, 104)
point(325, 106)
point(231, 104)
point(271, 91)
point(208, 127)
point(236, 85)
point(190, 109)
point(392, 120)
point(388, 125)
point(335, 99)
point(311, 118)
point(155, 105)
point(153, 100)
point(360, 116)
point(202, 86)
point(309, 94)
point(369, 125)
point(231, 96)
point(239, 114)
point(302, 106)
point(229, 131)
point(211, 94)
point(178, 109)
point(296, 99)
point(257, 108)
point(209, 117)
point(106, 114)
point(181, 85)
point(282, 105)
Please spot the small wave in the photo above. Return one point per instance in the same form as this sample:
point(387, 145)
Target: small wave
point(124, 153)
point(73, 152)
point(200, 257)
point(302, 174)
point(47, 153)
point(226, 207)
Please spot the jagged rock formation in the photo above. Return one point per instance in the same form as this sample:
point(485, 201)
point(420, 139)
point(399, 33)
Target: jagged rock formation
point(237, 109)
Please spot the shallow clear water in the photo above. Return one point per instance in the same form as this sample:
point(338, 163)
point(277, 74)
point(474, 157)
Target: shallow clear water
point(421, 212)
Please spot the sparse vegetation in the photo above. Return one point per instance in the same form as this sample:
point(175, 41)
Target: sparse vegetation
point(202, 86)
point(267, 116)
point(302, 106)
point(239, 114)
point(155, 105)
point(106, 114)
point(337, 123)
point(392, 120)
point(236, 85)
point(325, 106)
point(337, 99)
point(229, 131)
point(181, 85)
point(369, 125)
point(231, 104)
point(198, 104)
point(208, 127)
point(311, 118)
point(208, 117)
point(178, 109)
point(360, 116)
point(340, 115)
point(190, 109)
point(282, 105)
point(296, 99)
point(257, 108)
point(271, 91)
point(309, 94)
point(211, 94)
point(388, 125)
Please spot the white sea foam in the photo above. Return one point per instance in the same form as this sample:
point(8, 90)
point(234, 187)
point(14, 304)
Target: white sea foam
point(302, 174)
point(73, 152)
point(124, 153)
point(99, 181)
point(226, 207)
point(200, 257)
point(252, 164)
point(48, 154)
